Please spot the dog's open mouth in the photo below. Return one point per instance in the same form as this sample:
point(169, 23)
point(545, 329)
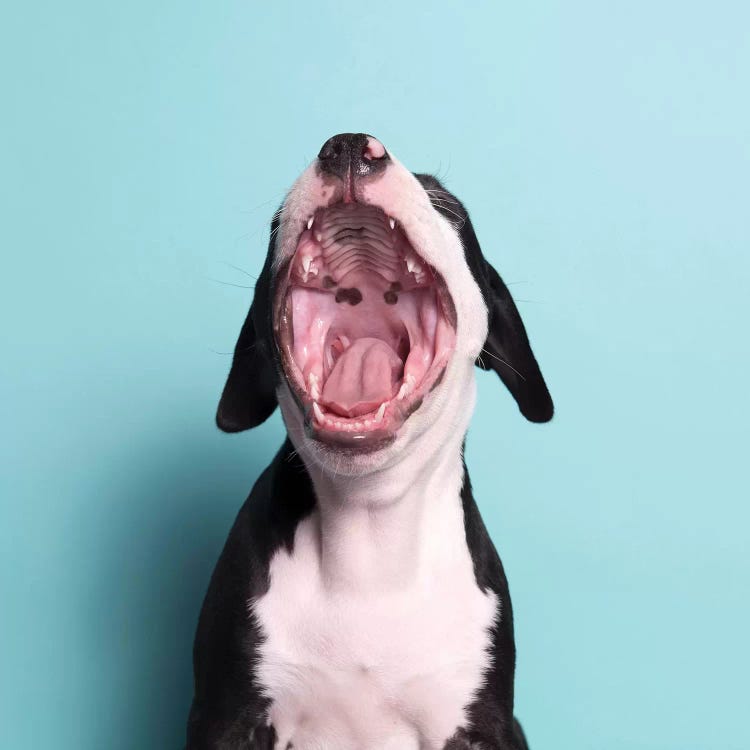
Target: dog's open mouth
point(364, 326)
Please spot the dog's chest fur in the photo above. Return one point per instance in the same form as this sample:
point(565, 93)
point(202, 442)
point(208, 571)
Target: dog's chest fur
point(373, 670)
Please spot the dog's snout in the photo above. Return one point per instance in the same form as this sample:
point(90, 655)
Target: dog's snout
point(356, 153)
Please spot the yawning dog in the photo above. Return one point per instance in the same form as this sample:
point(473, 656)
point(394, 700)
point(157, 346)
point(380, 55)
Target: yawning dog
point(359, 603)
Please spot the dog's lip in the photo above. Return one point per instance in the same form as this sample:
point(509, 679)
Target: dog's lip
point(379, 428)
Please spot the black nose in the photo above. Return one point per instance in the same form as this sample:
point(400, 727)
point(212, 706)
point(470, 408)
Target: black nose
point(358, 152)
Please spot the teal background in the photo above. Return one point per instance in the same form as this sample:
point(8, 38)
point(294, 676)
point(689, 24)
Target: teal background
point(602, 149)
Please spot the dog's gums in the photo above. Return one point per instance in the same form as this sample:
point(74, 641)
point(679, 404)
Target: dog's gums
point(364, 326)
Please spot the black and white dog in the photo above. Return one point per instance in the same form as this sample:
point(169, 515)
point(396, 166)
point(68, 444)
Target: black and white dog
point(359, 603)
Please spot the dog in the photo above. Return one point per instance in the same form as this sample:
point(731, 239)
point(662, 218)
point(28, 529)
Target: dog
point(359, 603)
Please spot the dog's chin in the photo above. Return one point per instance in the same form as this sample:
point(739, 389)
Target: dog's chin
point(364, 328)
point(355, 458)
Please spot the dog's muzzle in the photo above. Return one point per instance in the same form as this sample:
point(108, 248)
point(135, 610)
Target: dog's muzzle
point(364, 325)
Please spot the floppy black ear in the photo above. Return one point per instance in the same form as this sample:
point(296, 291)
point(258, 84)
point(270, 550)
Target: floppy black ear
point(507, 350)
point(249, 395)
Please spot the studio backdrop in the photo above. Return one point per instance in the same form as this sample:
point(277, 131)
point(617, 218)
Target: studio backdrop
point(603, 150)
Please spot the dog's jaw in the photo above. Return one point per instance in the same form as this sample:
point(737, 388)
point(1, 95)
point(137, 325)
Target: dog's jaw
point(445, 402)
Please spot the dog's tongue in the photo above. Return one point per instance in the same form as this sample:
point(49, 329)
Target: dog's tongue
point(363, 377)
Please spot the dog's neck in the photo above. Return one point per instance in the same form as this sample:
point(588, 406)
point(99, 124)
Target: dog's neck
point(393, 529)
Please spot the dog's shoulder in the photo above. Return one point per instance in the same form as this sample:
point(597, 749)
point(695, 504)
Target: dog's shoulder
point(280, 499)
point(490, 713)
point(228, 635)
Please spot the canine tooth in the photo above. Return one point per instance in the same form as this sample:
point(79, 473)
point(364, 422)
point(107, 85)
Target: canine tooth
point(380, 413)
point(310, 222)
point(406, 387)
point(312, 380)
point(306, 261)
point(391, 221)
point(318, 413)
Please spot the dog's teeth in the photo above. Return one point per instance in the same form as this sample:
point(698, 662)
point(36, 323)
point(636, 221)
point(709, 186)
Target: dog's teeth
point(310, 222)
point(391, 221)
point(312, 386)
point(406, 387)
point(318, 237)
point(413, 265)
point(306, 261)
point(368, 422)
point(380, 413)
point(318, 413)
point(358, 425)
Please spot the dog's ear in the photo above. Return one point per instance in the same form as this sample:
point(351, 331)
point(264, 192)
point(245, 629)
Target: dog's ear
point(507, 350)
point(249, 395)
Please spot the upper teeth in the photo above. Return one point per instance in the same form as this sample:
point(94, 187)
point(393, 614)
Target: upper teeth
point(391, 221)
point(414, 265)
point(308, 267)
point(310, 222)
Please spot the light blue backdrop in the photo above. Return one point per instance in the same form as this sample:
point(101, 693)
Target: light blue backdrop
point(603, 151)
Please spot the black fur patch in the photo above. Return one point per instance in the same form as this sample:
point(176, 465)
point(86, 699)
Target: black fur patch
point(227, 704)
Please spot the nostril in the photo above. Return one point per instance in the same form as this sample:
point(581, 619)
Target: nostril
point(332, 148)
point(374, 149)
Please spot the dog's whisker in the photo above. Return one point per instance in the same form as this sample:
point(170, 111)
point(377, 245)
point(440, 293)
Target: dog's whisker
point(273, 199)
point(236, 351)
point(229, 283)
point(440, 205)
point(241, 270)
point(507, 364)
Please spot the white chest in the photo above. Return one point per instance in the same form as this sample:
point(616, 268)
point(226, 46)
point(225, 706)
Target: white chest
point(384, 671)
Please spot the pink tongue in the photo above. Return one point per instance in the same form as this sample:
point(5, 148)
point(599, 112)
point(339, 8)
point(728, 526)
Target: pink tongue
point(363, 377)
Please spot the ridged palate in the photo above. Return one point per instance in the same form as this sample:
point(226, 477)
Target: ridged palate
point(351, 240)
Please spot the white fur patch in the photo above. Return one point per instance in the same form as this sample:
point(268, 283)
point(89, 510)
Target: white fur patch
point(359, 661)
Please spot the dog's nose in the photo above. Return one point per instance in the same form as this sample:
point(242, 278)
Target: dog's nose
point(358, 152)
